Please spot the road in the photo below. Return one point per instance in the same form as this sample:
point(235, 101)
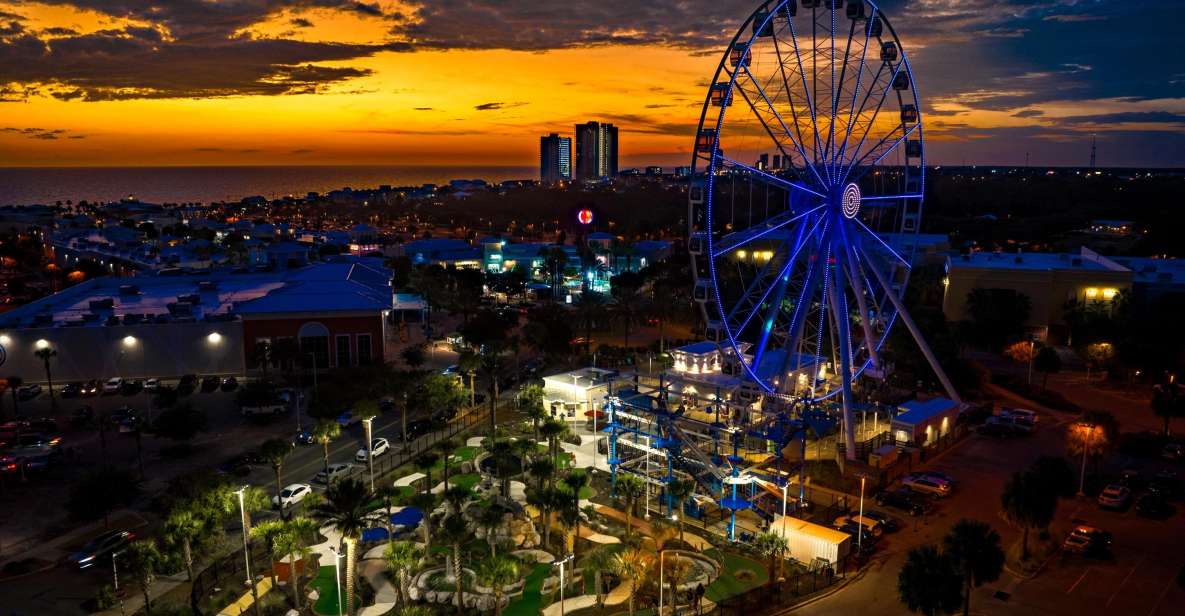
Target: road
point(1137, 582)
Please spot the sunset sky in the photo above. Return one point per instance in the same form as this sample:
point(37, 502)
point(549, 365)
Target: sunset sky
point(457, 82)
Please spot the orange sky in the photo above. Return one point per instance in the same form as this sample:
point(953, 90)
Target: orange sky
point(117, 88)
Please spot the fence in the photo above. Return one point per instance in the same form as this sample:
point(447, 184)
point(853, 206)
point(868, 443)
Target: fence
point(466, 420)
point(777, 597)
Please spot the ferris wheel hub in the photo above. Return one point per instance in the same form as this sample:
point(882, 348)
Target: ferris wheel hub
point(849, 200)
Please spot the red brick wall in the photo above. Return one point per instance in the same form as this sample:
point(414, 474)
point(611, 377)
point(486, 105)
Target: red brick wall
point(254, 329)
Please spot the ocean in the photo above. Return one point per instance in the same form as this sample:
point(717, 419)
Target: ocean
point(48, 185)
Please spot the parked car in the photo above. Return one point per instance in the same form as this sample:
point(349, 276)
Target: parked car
point(927, 485)
point(870, 525)
point(28, 392)
point(1087, 541)
point(1131, 478)
point(1154, 505)
point(1018, 425)
point(152, 385)
point(72, 390)
point(229, 383)
point(337, 471)
point(888, 522)
point(1024, 415)
point(292, 494)
point(418, 428)
point(93, 552)
point(304, 437)
point(92, 387)
point(82, 415)
point(1115, 496)
point(855, 530)
point(1165, 483)
point(934, 476)
point(112, 386)
point(211, 383)
point(132, 387)
point(1173, 451)
point(378, 447)
point(454, 369)
point(902, 499)
point(187, 384)
point(347, 419)
point(241, 464)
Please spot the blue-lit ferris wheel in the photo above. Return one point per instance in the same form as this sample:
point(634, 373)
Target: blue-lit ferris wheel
point(808, 177)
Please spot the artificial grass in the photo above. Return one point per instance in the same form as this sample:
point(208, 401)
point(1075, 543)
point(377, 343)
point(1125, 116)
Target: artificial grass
point(464, 454)
point(530, 603)
point(727, 584)
point(467, 480)
point(326, 585)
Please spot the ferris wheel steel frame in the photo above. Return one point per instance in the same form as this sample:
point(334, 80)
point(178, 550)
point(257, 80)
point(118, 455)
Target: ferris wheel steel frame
point(827, 258)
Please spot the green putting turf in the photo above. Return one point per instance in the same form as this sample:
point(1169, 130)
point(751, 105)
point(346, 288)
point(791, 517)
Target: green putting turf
point(531, 601)
point(326, 585)
point(467, 480)
point(728, 585)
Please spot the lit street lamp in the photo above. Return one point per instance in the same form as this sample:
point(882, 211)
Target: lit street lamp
point(369, 450)
point(1085, 449)
point(860, 525)
point(337, 577)
point(561, 562)
point(246, 548)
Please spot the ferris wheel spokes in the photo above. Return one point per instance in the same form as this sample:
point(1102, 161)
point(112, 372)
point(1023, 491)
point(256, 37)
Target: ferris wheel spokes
point(785, 129)
point(741, 238)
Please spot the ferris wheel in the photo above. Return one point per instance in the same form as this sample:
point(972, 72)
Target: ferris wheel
point(808, 176)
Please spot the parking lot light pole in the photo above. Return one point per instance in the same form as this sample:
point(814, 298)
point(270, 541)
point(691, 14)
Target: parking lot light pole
point(1085, 448)
point(785, 490)
point(247, 548)
point(115, 579)
point(860, 525)
point(369, 450)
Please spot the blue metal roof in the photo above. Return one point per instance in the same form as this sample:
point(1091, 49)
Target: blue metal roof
point(916, 411)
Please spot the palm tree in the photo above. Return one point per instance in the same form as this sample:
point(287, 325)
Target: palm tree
point(184, 527)
point(1028, 502)
point(468, 362)
point(497, 572)
point(269, 531)
point(401, 557)
point(141, 560)
point(490, 520)
point(388, 493)
point(675, 570)
point(425, 501)
point(531, 401)
point(324, 433)
point(445, 448)
point(457, 496)
point(541, 469)
point(630, 488)
point(600, 561)
point(45, 355)
point(274, 450)
point(14, 383)
point(553, 430)
point(929, 583)
point(345, 509)
point(456, 531)
point(974, 548)
point(680, 490)
point(632, 565)
point(424, 462)
point(293, 543)
point(574, 482)
point(770, 545)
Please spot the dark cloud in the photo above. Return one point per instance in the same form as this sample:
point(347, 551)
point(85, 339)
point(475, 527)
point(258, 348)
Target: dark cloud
point(1028, 113)
point(46, 134)
point(497, 105)
point(56, 31)
point(1139, 117)
point(191, 49)
point(301, 22)
point(422, 108)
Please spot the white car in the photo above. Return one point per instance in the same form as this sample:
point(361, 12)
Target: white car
point(336, 471)
point(378, 447)
point(871, 526)
point(113, 385)
point(1022, 415)
point(292, 494)
point(926, 485)
point(152, 384)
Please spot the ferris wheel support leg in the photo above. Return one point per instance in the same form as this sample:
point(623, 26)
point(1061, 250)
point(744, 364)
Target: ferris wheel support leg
point(858, 291)
point(839, 309)
point(903, 314)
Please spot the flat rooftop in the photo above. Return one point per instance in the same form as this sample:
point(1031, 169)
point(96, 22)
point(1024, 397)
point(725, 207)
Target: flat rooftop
point(342, 285)
point(1035, 261)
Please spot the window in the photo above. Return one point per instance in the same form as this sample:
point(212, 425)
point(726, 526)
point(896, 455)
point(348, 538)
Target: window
point(364, 350)
point(343, 351)
point(314, 338)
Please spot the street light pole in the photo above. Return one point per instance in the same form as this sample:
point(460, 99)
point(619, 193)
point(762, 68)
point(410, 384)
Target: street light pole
point(337, 577)
point(785, 489)
point(662, 555)
point(860, 526)
point(1085, 449)
point(1031, 351)
point(247, 549)
point(561, 563)
point(115, 579)
point(369, 450)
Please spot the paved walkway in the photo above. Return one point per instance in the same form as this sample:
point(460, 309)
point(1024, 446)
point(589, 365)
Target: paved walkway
point(385, 594)
point(697, 542)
